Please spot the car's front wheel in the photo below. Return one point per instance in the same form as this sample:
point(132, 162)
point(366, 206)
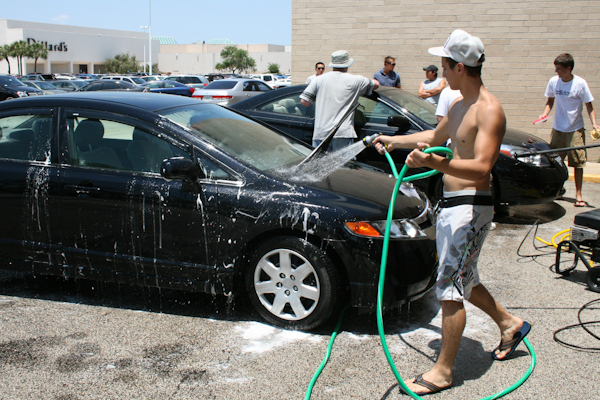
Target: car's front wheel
point(293, 284)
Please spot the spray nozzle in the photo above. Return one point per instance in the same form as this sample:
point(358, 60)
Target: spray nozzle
point(368, 140)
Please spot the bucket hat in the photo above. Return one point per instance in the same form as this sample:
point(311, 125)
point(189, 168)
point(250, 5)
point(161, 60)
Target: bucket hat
point(340, 59)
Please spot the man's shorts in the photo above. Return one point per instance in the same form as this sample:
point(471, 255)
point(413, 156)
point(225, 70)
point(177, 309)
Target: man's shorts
point(577, 158)
point(462, 225)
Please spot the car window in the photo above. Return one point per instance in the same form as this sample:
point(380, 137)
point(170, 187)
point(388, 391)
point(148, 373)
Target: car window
point(168, 85)
point(248, 87)
point(26, 137)
point(413, 104)
point(373, 112)
point(263, 87)
point(111, 85)
point(93, 86)
point(221, 84)
point(247, 140)
point(103, 143)
point(154, 85)
point(287, 105)
point(267, 78)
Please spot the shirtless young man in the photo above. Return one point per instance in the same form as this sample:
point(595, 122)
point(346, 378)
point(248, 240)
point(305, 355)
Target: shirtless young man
point(476, 124)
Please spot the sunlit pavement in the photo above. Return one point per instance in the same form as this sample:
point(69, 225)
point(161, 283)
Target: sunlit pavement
point(65, 339)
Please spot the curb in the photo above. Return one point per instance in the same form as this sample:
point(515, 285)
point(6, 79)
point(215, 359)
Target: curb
point(587, 178)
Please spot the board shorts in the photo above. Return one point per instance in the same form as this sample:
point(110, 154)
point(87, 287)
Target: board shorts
point(559, 140)
point(462, 225)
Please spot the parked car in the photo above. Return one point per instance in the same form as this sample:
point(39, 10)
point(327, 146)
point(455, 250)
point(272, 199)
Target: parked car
point(149, 78)
point(282, 82)
point(135, 80)
point(45, 86)
point(169, 87)
point(108, 84)
point(171, 192)
point(71, 85)
point(269, 79)
point(37, 77)
point(214, 77)
point(532, 180)
point(197, 81)
point(87, 76)
point(230, 91)
point(12, 88)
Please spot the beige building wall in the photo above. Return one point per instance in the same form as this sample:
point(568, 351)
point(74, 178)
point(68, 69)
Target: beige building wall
point(521, 39)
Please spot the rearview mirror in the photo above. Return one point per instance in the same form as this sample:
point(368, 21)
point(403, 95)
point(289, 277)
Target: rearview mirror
point(179, 168)
point(400, 122)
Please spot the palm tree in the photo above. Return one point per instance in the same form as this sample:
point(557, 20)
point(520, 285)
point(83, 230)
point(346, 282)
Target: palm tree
point(5, 53)
point(37, 50)
point(19, 50)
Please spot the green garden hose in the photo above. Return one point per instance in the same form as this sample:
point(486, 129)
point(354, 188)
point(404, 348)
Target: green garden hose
point(399, 179)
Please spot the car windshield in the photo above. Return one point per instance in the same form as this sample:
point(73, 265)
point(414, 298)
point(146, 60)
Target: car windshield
point(412, 103)
point(139, 81)
point(80, 83)
point(221, 84)
point(10, 81)
point(249, 141)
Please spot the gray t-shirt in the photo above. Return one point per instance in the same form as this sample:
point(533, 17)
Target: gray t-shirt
point(427, 84)
point(334, 93)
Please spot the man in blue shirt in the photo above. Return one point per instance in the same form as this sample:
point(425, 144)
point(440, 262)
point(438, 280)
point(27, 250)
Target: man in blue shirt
point(387, 76)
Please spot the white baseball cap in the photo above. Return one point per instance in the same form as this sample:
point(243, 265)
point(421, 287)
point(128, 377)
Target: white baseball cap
point(461, 47)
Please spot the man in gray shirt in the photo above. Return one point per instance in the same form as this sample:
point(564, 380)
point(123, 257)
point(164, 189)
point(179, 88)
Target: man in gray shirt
point(334, 93)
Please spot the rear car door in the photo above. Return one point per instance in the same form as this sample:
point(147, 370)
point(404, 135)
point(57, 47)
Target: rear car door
point(122, 220)
point(29, 190)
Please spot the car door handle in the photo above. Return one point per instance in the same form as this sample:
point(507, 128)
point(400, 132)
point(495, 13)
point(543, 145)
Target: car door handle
point(82, 189)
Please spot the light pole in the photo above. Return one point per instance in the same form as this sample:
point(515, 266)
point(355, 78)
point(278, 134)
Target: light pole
point(150, 36)
point(144, 28)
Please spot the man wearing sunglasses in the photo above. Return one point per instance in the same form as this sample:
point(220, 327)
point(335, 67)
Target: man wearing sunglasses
point(387, 76)
point(319, 69)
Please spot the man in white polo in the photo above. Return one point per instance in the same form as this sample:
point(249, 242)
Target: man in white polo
point(334, 93)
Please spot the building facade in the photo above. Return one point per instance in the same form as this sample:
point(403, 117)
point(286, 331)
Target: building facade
point(521, 38)
point(74, 49)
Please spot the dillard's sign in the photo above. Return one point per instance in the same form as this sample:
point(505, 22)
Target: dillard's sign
point(51, 47)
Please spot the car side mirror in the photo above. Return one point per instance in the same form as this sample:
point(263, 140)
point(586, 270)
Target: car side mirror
point(180, 168)
point(400, 122)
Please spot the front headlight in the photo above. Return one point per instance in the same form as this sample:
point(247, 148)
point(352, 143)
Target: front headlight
point(539, 160)
point(21, 94)
point(406, 228)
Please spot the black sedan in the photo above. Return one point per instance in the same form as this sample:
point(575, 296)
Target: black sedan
point(173, 192)
point(169, 87)
point(534, 180)
point(12, 88)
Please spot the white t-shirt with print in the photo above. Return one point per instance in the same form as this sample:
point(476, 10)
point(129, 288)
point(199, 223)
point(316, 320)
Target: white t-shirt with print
point(569, 98)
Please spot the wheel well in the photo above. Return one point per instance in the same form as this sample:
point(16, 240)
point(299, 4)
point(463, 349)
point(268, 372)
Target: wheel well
point(313, 239)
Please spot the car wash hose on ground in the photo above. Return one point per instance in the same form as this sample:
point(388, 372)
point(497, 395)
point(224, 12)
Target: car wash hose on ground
point(399, 179)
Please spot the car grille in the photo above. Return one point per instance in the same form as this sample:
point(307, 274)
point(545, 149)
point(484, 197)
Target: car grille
point(35, 93)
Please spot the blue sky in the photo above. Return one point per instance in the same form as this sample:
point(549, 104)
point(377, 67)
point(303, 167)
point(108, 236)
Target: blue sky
point(187, 21)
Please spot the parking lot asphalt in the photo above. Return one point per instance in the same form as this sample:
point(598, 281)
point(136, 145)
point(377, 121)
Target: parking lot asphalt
point(66, 340)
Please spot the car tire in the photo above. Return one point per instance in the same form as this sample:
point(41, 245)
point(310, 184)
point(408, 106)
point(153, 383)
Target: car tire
point(10, 98)
point(281, 296)
point(593, 279)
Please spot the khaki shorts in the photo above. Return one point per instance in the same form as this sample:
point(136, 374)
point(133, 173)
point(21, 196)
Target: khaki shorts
point(577, 158)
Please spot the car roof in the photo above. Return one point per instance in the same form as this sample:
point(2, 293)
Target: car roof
point(103, 99)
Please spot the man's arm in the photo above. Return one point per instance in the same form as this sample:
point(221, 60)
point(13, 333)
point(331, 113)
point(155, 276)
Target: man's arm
point(437, 137)
point(437, 90)
point(422, 92)
point(592, 113)
point(548, 107)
